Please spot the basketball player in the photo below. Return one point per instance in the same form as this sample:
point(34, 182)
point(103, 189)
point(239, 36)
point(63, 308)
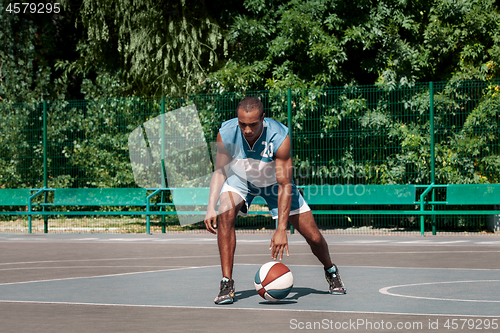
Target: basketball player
point(253, 158)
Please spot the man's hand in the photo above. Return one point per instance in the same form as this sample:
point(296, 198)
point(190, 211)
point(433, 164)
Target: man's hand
point(211, 220)
point(279, 243)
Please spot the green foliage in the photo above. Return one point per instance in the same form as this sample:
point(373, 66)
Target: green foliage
point(321, 43)
point(31, 45)
point(469, 147)
point(100, 49)
point(153, 47)
point(349, 135)
point(372, 135)
point(88, 141)
point(462, 37)
point(20, 147)
point(23, 77)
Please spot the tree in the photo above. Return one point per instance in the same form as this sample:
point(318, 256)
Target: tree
point(148, 47)
point(31, 44)
point(322, 43)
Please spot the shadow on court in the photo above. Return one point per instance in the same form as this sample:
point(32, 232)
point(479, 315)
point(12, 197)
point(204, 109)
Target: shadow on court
point(293, 297)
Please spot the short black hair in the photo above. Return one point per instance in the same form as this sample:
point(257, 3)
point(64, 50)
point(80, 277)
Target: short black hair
point(249, 104)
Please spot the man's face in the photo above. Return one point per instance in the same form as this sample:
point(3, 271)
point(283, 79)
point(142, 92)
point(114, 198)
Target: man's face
point(251, 124)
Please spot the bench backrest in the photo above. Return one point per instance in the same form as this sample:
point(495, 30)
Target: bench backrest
point(190, 196)
point(314, 195)
point(198, 196)
point(14, 197)
point(473, 194)
point(100, 196)
point(360, 194)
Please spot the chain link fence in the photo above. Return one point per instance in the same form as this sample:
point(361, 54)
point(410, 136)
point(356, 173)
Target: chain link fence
point(445, 133)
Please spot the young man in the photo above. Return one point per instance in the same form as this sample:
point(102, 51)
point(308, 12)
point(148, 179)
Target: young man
point(253, 158)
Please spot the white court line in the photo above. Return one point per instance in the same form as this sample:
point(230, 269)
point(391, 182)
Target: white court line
point(121, 274)
point(267, 241)
point(218, 266)
point(255, 241)
point(364, 242)
point(106, 275)
point(107, 259)
point(182, 240)
point(72, 267)
point(388, 267)
point(247, 255)
point(231, 308)
point(415, 242)
point(228, 308)
point(152, 239)
point(141, 258)
point(452, 242)
point(128, 239)
point(386, 292)
point(191, 240)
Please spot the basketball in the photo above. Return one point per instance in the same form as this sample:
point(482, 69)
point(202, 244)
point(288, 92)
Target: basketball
point(273, 281)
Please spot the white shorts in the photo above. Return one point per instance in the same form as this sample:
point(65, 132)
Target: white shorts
point(248, 192)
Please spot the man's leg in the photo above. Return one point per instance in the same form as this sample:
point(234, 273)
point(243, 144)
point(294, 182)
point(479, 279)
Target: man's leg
point(306, 226)
point(230, 205)
point(304, 223)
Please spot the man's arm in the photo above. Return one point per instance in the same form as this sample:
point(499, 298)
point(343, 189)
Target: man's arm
point(223, 158)
point(284, 170)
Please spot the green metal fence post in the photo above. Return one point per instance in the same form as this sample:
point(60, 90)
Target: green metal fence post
point(163, 176)
point(29, 219)
point(433, 157)
point(289, 107)
point(163, 223)
point(45, 176)
point(163, 184)
point(422, 207)
point(148, 220)
point(148, 209)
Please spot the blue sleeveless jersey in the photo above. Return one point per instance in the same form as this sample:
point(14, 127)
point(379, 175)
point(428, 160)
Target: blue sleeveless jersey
point(255, 164)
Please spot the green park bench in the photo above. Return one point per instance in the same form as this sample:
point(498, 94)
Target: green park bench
point(316, 196)
point(14, 197)
point(10, 198)
point(185, 201)
point(473, 197)
point(185, 198)
point(119, 197)
point(473, 194)
point(351, 195)
point(477, 195)
point(73, 197)
point(323, 199)
point(99, 197)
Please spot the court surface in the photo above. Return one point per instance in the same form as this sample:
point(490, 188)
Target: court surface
point(167, 283)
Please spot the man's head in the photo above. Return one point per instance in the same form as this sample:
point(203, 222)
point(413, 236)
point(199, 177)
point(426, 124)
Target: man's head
point(249, 104)
point(251, 118)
